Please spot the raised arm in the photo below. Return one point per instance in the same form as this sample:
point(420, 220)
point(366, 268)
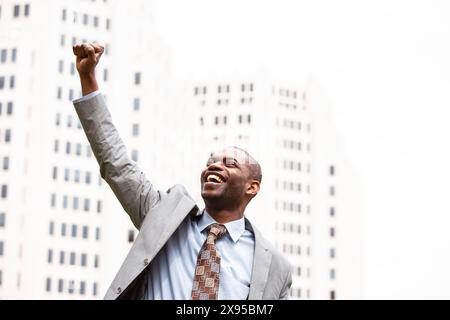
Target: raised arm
point(128, 182)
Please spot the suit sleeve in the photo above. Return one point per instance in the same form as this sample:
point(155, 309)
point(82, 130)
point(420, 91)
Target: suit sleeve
point(130, 185)
point(287, 285)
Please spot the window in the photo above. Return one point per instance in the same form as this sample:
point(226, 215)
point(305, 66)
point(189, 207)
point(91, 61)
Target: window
point(60, 285)
point(86, 204)
point(85, 19)
point(85, 232)
point(66, 174)
point(136, 104)
point(87, 179)
point(99, 206)
point(2, 82)
point(61, 66)
point(83, 259)
point(67, 147)
point(72, 259)
point(74, 230)
point(53, 200)
point(16, 11)
point(62, 256)
point(2, 249)
point(332, 295)
point(332, 232)
point(27, 10)
point(50, 256)
point(63, 229)
point(97, 233)
point(77, 176)
point(4, 191)
point(96, 261)
point(331, 170)
point(12, 82)
point(137, 78)
point(6, 163)
point(134, 155)
point(75, 203)
point(48, 284)
point(332, 274)
point(135, 130)
point(96, 21)
point(332, 253)
point(64, 15)
point(130, 236)
point(108, 24)
point(2, 219)
point(94, 288)
point(82, 287)
point(8, 135)
point(332, 211)
point(3, 55)
point(78, 148)
point(332, 191)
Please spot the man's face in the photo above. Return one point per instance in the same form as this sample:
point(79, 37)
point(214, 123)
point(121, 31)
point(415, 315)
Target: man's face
point(225, 179)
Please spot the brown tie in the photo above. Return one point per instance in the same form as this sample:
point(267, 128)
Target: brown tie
point(206, 278)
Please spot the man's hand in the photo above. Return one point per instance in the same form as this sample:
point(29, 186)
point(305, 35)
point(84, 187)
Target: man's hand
point(88, 56)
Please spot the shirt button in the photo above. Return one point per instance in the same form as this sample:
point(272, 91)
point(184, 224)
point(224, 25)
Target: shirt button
point(145, 262)
point(119, 290)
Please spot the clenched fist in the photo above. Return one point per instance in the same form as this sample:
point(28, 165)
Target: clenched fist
point(88, 55)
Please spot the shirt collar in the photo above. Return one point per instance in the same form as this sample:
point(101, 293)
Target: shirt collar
point(235, 228)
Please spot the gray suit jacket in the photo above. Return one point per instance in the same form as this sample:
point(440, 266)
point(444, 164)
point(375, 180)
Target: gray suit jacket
point(158, 214)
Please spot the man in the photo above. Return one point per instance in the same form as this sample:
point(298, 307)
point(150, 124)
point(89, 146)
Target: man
point(182, 252)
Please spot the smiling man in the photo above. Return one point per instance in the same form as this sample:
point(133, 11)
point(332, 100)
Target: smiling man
point(182, 252)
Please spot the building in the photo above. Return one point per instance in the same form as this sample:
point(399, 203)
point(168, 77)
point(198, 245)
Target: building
point(309, 202)
point(63, 234)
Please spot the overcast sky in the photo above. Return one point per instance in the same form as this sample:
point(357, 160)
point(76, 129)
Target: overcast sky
point(384, 66)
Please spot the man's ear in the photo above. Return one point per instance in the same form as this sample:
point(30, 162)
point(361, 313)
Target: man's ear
point(253, 188)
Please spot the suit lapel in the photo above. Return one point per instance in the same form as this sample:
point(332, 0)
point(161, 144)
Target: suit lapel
point(261, 265)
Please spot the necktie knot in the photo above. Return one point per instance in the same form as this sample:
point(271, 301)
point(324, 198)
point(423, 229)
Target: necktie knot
point(216, 231)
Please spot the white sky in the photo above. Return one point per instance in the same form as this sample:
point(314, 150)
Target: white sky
point(384, 66)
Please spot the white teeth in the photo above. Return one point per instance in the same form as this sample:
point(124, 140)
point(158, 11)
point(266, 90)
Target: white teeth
point(214, 178)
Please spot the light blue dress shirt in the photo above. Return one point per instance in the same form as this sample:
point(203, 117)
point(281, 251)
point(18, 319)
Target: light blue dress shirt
point(171, 273)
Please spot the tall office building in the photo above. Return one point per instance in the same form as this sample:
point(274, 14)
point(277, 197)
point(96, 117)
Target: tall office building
point(308, 204)
point(63, 234)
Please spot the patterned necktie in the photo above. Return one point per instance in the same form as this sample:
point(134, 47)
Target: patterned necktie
point(206, 278)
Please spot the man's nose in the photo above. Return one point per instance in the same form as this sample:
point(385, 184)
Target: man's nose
point(218, 165)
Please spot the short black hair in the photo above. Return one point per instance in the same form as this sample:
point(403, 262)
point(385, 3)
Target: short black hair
point(255, 168)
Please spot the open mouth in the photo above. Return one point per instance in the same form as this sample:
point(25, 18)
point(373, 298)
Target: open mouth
point(214, 178)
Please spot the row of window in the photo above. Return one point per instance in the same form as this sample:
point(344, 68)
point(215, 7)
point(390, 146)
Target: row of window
point(70, 287)
point(4, 55)
point(292, 165)
point(294, 249)
point(19, 10)
point(288, 105)
point(75, 231)
point(245, 87)
point(9, 106)
point(11, 84)
point(75, 148)
point(76, 203)
point(288, 185)
point(223, 120)
point(85, 19)
point(288, 206)
point(69, 123)
point(289, 124)
point(291, 144)
point(73, 259)
point(76, 175)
